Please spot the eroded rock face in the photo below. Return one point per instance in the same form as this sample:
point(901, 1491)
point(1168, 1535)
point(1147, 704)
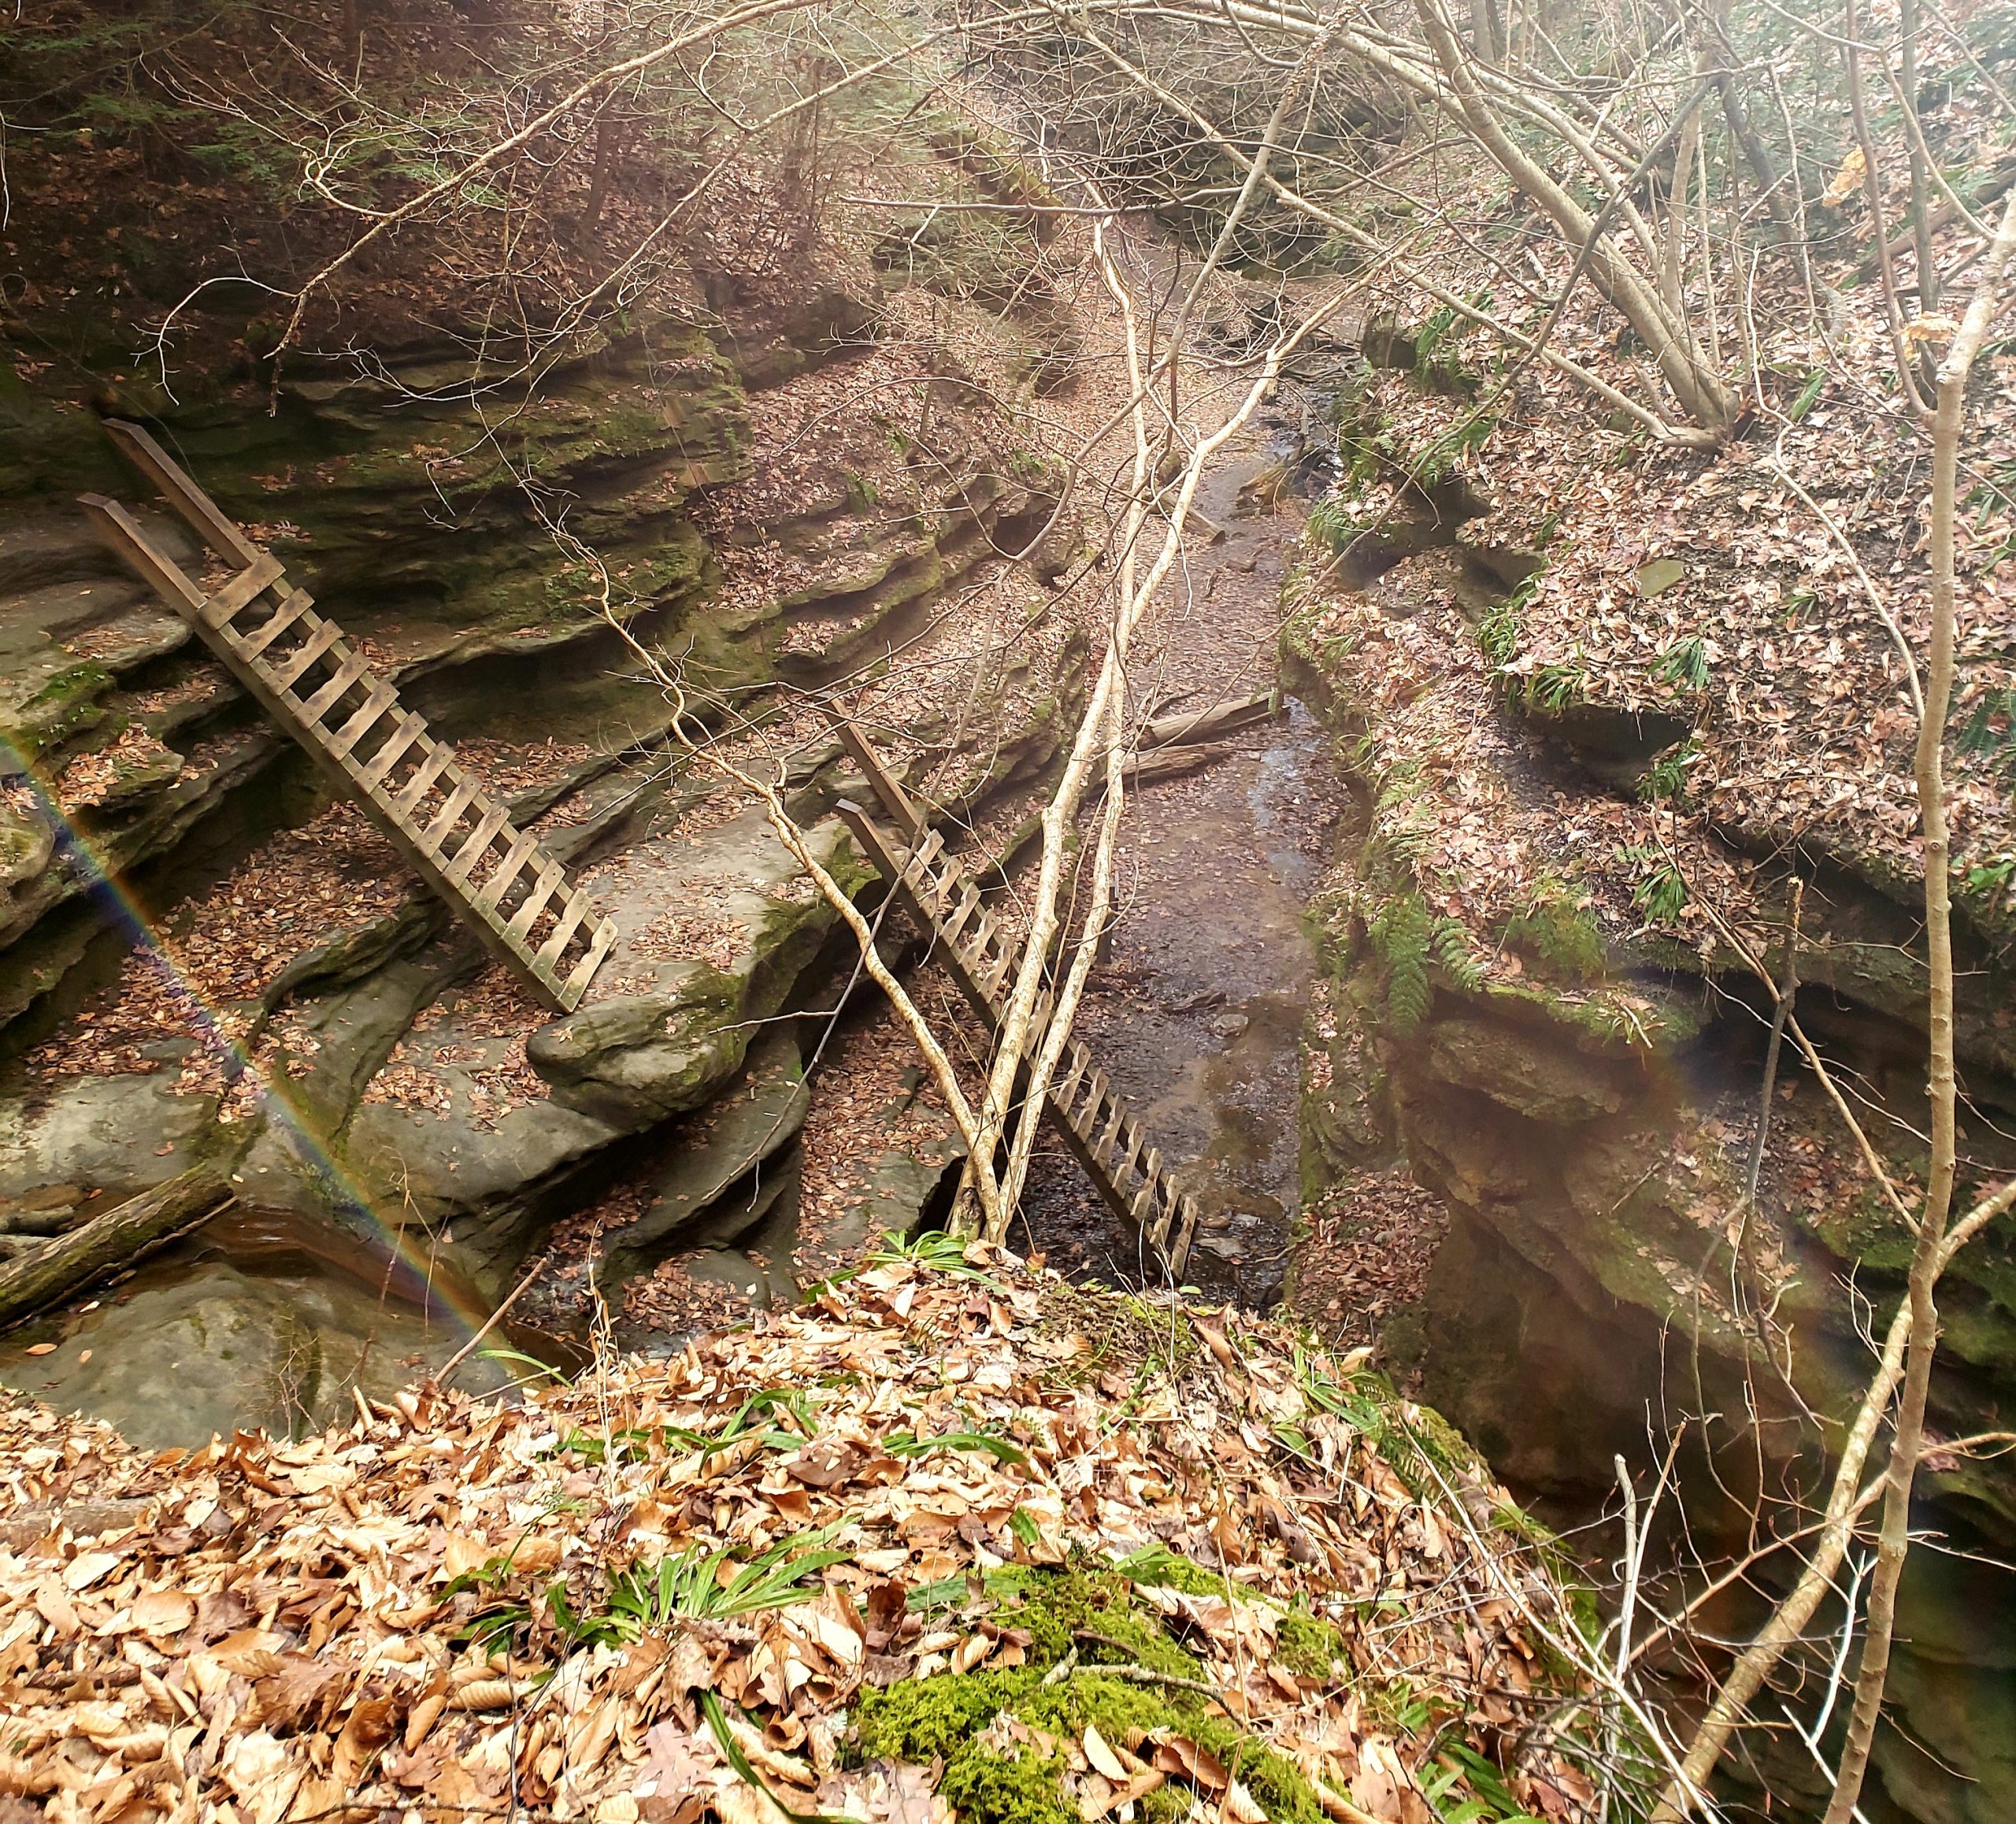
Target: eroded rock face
point(1523, 1072)
point(208, 1348)
point(695, 1205)
point(1575, 1071)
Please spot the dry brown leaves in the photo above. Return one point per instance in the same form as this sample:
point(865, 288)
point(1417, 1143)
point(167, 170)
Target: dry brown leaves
point(1779, 555)
point(260, 1631)
point(330, 879)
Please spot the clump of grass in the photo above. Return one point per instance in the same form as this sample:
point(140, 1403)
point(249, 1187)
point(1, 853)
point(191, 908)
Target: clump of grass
point(1661, 893)
point(1557, 688)
point(1683, 664)
point(1555, 929)
point(1666, 777)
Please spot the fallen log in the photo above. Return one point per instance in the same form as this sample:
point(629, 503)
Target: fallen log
point(111, 1242)
point(1187, 727)
point(1170, 762)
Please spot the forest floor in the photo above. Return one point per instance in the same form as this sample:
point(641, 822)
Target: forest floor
point(887, 1556)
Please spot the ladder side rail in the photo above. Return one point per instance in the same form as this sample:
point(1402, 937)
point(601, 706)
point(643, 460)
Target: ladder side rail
point(1078, 1134)
point(203, 515)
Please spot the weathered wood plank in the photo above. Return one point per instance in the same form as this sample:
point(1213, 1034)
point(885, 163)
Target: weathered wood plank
point(292, 611)
point(450, 814)
point(584, 971)
point(505, 874)
point(125, 534)
point(548, 881)
point(572, 916)
point(290, 671)
point(902, 810)
point(216, 529)
point(383, 698)
point(234, 595)
point(409, 729)
point(479, 840)
point(347, 675)
point(436, 761)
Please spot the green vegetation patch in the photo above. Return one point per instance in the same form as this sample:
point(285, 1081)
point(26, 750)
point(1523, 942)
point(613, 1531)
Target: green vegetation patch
point(991, 1778)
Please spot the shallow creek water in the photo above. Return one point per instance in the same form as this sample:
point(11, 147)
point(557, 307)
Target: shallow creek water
point(253, 1322)
point(1198, 1015)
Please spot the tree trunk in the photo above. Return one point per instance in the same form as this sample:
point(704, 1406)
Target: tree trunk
point(1907, 1444)
point(609, 148)
point(111, 1242)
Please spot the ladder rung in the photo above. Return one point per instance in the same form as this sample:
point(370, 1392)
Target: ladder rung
point(1128, 1162)
point(545, 884)
point(360, 725)
point(335, 690)
point(584, 971)
point(240, 590)
point(472, 851)
point(291, 670)
point(439, 758)
point(506, 871)
point(955, 922)
point(410, 729)
point(445, 819)
point(290, 611)
point(577, 909)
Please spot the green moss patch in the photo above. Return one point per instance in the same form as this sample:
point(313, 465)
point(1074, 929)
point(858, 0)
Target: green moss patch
point(950, 1717)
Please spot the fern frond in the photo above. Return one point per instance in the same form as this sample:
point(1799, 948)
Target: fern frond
point(1459, 962)
point(1402, 934)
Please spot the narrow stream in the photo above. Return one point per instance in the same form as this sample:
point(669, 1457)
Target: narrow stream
point(1198, 1015)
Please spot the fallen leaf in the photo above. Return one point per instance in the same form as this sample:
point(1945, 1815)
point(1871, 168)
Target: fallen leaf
point(1102, 1756)
point(163, 1611)
point(86, 1568)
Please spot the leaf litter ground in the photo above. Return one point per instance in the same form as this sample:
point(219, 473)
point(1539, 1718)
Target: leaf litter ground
point(952, 1538)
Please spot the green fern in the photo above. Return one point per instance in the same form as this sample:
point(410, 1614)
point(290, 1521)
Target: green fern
point(1331, 523)
point(1991, 730)
point(1459, 963)
point(1402, 934)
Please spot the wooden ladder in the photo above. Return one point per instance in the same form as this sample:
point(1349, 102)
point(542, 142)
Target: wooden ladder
point(1088, 1114)
point(316, 685)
